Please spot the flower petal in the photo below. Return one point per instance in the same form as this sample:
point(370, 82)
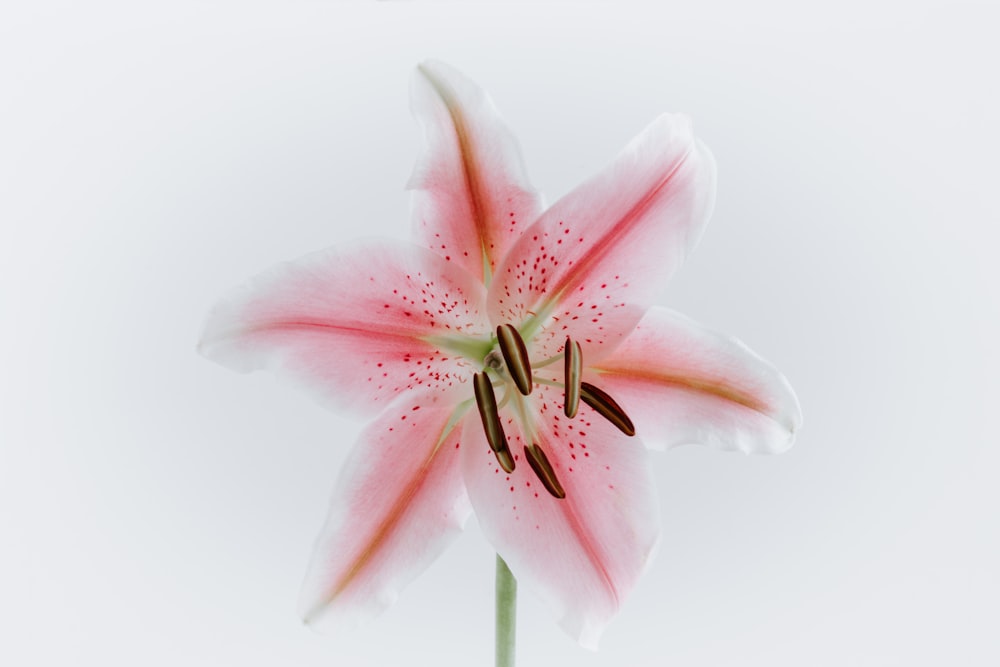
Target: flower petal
point(354, 323)
point(399, 502)
point(584, 552)
point(472, 198)
point(613, 241)
point(683, 383)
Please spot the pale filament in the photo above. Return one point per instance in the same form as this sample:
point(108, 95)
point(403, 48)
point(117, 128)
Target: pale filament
point(506, 397)
point(546, 362)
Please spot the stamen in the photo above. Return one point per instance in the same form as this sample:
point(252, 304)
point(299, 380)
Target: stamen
point(535, 365)
point(572, 369)
point(505, 400)
point(505, 459)
point(516, 356)
point(606, 407)
point(543, 469)
point(486, 400)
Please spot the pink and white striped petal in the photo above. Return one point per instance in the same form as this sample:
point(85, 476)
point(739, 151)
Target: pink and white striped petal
point(472, 198)
point(613, 241)
point(353, 323)
point(681, 383)
point(399, 502)
point(582, 553)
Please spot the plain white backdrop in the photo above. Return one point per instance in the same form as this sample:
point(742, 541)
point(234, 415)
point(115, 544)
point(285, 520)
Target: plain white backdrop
point(156, 509)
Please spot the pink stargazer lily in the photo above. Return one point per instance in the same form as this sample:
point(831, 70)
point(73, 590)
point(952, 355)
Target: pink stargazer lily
point(507, 358)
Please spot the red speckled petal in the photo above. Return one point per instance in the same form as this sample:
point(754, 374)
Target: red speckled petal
point(351, 323)
point(472, 198)
point(613, 241)
point(583, 553)
point(683, 383)
point(399, 502)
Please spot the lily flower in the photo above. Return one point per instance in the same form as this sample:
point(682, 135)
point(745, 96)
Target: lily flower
point(511, 362)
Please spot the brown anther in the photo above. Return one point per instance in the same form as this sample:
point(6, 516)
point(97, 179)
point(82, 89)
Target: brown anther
point(505, 459)
point(606, 407)
point(543, 469)
point(572, 367)
point(515, 354)
point(486, 401)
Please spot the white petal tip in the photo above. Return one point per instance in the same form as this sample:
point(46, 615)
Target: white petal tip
point(587, 634)
point(432, 68)
point(311, 612)
point(326, 619)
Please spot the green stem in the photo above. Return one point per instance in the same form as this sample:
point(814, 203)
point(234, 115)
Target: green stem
point(506, 614)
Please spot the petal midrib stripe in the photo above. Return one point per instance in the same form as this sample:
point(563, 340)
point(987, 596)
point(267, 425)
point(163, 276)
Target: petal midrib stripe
point(619, 229)
point(470, 173)
point(717, 388)
point(590, 547)
point(306, 325)
point(388, 524)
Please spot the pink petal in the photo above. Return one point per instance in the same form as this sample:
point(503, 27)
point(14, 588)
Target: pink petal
point(472, 198)
point(584, 552)
point(613, 241)
point(399, 502)
point(683, 383)
point(352, 323)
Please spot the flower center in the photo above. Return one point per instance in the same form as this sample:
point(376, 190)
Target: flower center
point(494, 361)
point(510, 363)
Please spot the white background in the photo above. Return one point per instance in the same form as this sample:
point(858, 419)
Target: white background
point(156, 509)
